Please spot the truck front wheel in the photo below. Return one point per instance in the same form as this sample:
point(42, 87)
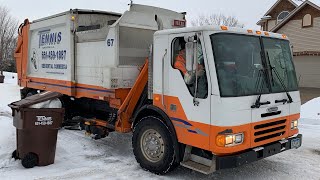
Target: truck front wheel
point(153, 146)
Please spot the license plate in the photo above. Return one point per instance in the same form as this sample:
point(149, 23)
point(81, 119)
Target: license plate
point(295, 143)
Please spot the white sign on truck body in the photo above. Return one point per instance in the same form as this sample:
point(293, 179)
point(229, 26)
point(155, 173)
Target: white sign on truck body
point(50, 51)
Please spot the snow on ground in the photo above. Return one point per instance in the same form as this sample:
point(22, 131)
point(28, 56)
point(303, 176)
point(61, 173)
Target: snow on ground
point(80, 157)
point(310, 112)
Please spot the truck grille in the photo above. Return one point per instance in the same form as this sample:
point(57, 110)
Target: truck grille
point(269, 130)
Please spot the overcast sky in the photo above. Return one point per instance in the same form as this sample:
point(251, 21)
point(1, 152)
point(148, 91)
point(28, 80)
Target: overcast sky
point(247, 11)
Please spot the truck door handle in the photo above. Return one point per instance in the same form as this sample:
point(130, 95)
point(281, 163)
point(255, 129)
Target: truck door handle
point(281, 101)
point(265, 103)
point(257, 105)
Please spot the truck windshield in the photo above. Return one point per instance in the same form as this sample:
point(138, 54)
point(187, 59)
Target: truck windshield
point(278, 55)
point(242, 69)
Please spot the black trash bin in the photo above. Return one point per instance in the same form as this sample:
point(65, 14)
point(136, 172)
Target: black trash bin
point(37, 130)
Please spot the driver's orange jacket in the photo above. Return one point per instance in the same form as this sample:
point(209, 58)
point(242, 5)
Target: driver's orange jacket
point(180, 62)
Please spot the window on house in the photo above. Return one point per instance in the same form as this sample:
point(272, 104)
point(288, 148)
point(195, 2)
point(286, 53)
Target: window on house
point(282, 16)
point(307, 20)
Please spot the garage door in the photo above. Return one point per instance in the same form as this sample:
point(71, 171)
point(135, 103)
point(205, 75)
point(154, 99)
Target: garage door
point(308, 70)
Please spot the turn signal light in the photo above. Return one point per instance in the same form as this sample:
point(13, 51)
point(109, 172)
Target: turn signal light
point(221, 140)
point(225, 28)
point(229, 140)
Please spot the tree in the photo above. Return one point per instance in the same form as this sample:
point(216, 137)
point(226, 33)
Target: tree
point(217, 19)
point(8, 38)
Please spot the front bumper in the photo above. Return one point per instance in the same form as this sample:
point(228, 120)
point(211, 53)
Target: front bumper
point(256, 154)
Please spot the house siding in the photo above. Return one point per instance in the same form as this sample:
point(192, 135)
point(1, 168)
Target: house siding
point(284, 5)
point(271, 24)
point(307, 68)
point(303, 39)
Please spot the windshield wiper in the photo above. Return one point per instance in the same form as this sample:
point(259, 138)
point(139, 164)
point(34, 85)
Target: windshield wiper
point(283, 86)
point(281, 82)
point(258, 102)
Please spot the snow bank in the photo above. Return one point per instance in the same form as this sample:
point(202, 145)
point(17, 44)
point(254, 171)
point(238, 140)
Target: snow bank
point(10, 78)
point(311, 109)
point(310, 112)
point(9, 92)
point(7, 140)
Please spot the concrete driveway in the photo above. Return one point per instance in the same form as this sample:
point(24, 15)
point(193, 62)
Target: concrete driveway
point(308, 93)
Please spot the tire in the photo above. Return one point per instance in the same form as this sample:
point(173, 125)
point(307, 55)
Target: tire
point(66, 104)
point(26, 92)
point(30, 160)
point(31, 93)
point(151, 135)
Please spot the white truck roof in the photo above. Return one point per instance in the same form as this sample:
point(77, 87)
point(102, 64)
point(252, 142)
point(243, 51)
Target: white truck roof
point(79, 11)
point(221, 29)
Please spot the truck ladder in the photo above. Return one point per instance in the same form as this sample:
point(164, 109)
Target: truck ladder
point(197, 163)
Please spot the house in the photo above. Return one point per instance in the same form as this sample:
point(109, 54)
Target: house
point(300, 21)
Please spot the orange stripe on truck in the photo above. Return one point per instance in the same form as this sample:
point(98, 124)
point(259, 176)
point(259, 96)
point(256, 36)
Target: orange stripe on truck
point(185, 129)
point(204, 135)
point(114, 96)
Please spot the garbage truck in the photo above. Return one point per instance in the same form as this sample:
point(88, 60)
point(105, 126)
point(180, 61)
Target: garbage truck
point(233, 99)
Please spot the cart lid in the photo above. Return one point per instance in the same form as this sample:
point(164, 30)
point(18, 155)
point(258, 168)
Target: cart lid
point(35, 99)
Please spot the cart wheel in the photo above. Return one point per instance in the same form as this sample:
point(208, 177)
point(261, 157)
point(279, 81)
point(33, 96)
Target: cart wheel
point(30, 160)
point(14, 155)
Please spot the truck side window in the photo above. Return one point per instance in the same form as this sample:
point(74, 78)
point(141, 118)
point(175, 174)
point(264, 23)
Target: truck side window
point(179, 62)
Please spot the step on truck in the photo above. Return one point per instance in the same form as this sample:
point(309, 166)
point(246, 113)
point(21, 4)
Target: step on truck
point(207, 98)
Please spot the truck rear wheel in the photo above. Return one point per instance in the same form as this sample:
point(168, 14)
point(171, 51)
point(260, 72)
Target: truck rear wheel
point(153, 146)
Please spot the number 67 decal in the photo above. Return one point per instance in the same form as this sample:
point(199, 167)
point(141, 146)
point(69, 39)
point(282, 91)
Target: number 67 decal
point(110, 42)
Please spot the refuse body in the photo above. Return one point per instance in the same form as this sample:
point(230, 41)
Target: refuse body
point(37, 119)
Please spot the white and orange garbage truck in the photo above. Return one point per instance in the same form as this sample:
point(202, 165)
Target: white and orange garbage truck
point(237, 102)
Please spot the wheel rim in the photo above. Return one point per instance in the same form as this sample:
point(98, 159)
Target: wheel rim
point(152, 145)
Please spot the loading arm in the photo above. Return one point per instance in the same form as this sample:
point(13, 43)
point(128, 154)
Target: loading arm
point(127, 108)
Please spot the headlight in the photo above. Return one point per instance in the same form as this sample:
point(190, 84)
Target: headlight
point(294, 124)
point(229, 140)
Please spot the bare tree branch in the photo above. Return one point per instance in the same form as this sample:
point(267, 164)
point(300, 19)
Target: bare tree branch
point(8, 38)
point(217, 19)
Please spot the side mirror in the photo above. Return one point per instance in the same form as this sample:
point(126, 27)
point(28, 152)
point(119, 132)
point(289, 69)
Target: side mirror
point(189, 56)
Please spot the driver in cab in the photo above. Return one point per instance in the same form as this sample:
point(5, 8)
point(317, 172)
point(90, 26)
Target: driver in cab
point(189, 77)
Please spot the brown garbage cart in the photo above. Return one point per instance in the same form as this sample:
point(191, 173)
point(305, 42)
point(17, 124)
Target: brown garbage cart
point(37, 130)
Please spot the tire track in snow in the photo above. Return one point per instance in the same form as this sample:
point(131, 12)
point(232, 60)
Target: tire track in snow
point(74, 174)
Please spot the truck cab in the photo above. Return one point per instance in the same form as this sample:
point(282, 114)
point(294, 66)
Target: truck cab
point(244, 102)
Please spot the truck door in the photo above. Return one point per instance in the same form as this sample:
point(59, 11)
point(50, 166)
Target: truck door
point(191, 120)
